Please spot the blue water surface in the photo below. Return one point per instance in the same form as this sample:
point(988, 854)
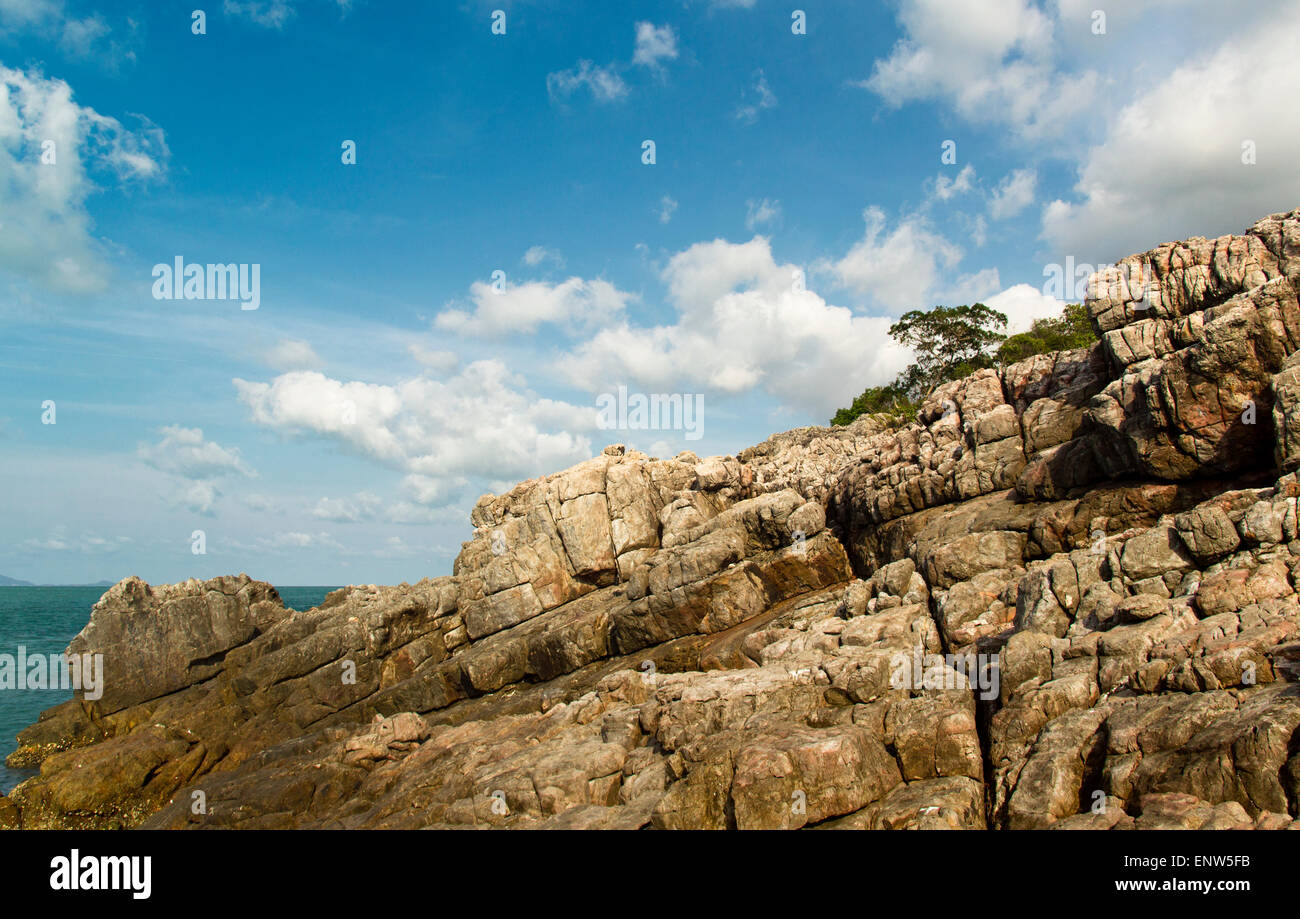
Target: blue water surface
point(44, 620)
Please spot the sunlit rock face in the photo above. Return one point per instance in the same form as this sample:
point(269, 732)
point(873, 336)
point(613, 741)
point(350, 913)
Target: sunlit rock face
point(1064, 597)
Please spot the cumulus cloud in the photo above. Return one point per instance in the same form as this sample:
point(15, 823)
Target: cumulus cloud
point(198, 496)
point(990, 61)
point(81, 37)
point(269, 14)
point(50, 147)
point(88, 543)
point(573, 305)
point(1170, 165)
point(261, 503)
point(667, 207)
point(196, 464)
point(1013, 194)
point(429, 490)
point(947, 186)
point(604, 83)
point(481, 423)
point(77, 36)
point(1022, 304)
point(756, 100)
point(186, 453)
point(294, 539)
point(368, 507)
point(744, 321)
point(761, 212)
point(903, 268)
point(292, 354)
point(654, 44)
point(969, 288)
point(437, 361)
point(536, 255)
point(363, 505)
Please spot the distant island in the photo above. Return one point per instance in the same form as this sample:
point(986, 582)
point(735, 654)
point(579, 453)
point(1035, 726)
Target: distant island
point(14, 582)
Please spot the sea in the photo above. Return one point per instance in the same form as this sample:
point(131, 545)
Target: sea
point(44, 620)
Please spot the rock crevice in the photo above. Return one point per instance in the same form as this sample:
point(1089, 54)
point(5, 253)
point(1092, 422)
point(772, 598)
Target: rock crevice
point(1064, 597)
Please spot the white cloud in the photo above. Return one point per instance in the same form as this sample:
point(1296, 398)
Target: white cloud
point(87, 543)
point(946, 187)
point(748, 112)
point(538, 254)
point(991, 61)
point(667, 206)
point(270, 14)
point(406, 513)
point(970, 288)
point(520, 308)
point(1170, 164)
point(292, 354)
point(760, 212)
point(363, 505)
point(904, 268)
point(83, 38)
point(25, 13)
point(426, 489)
point(604, 83)
point(198, 496)
point(436, 361)
point(186, 453)
point(1079, 12)
point(1013, 194)
point(743, 322)
point(46, 233)
point(1022, 304)
point(368, 507)
point(196, 464)
point(255, 501)
point(654, 44)
point(481, 423)
point(297, 540)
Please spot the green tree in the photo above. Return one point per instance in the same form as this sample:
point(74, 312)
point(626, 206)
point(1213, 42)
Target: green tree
point(1072, 329)
point(877, 400)
point(953, 342)
point(950, 342)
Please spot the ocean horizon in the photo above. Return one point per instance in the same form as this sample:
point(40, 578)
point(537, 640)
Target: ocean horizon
point(43, 620)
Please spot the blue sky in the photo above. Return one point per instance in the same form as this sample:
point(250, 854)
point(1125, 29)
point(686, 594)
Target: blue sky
point(342, 431)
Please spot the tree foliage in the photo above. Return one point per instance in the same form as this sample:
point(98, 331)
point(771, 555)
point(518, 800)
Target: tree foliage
point(1072, 329)
point(952, 342)
point(877, 400)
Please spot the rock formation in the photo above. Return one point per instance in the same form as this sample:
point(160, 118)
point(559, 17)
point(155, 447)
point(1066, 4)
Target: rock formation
point(1064, 597)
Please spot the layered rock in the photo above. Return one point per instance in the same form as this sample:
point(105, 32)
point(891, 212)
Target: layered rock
point(1065, 597)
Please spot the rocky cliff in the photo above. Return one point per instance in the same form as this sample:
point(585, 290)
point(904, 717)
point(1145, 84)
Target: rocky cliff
point(1065, 597)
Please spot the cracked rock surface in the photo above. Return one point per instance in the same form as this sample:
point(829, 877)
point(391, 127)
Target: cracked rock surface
point(1065, 597)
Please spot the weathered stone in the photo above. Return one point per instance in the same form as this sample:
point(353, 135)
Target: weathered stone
point(784, 638)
